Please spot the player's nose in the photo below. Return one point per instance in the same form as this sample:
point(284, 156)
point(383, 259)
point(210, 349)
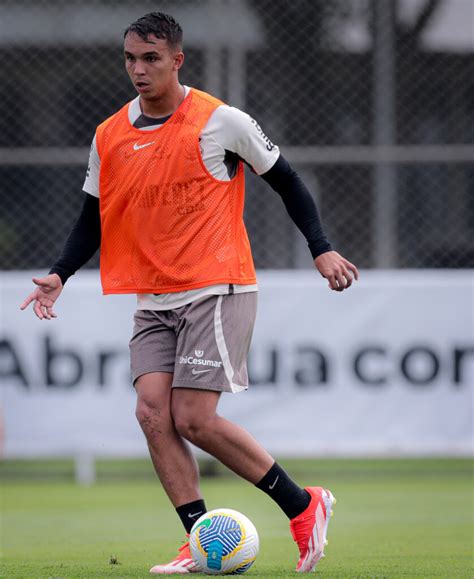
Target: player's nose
point(139, 68)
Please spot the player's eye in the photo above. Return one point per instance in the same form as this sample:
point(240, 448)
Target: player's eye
point(129, 58)
point(151, 58)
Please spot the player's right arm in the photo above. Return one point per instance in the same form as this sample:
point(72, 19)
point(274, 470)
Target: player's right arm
point(80, 246)
point(48, 290)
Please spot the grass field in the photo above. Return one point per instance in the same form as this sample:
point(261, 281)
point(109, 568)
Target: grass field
point(399, 518)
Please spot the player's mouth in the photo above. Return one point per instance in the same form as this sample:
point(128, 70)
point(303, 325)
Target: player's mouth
point(142, 86)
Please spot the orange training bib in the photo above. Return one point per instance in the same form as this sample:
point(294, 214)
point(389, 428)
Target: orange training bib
point(167, 224)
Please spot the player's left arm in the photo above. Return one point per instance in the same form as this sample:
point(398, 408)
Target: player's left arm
point(243, 135)
point(303, 211)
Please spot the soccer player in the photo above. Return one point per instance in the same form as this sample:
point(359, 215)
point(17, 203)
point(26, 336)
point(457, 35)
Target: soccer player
point(168, 171)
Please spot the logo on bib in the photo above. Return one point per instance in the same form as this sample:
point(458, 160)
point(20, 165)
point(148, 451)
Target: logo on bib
point(137, 147)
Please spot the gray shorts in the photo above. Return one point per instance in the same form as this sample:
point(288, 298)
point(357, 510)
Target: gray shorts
point(204, 344)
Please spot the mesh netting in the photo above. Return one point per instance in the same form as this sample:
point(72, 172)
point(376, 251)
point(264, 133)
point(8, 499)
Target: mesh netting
point(371, 102)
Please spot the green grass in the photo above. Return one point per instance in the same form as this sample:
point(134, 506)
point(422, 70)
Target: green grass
point(394, 518)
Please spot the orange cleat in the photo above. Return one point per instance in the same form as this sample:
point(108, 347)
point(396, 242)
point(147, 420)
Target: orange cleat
point(181, 564)
point(309, 529)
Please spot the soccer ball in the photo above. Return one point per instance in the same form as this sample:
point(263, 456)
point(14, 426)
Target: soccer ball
point(223, 541)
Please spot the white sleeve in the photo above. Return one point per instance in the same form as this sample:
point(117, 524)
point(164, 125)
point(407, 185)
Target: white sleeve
point(236, 131)
point(91, 183)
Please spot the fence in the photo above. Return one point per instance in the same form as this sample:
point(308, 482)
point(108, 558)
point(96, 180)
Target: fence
point(371, 101)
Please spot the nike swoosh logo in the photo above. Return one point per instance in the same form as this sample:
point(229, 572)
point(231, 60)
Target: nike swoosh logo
point(274, 483)
point(192, 515)
point(137, 147)
point(194, 371)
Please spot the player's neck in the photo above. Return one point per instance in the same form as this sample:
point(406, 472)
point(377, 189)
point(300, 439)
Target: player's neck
point(165, 104)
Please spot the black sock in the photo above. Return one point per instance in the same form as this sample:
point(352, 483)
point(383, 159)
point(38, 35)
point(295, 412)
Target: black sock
point(190, 513)
point(291, 498)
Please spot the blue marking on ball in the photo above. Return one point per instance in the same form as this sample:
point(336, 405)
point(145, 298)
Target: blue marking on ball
point(223, 530)
point(214, 555)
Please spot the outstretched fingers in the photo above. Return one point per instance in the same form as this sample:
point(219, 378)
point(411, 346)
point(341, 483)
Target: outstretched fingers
point(28, 301)
point(44, 309)
point(38, 309)
point(44, 296)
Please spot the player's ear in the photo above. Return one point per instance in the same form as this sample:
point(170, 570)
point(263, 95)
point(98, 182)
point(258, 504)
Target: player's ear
point(178, 60)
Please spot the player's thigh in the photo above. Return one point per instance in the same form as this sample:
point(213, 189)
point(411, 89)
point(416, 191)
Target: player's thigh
point(152, 356)
point(153, 344)
point(213, 342)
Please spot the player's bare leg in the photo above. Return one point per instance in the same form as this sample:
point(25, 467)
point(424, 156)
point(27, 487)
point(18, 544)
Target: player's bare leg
point(195, 418)
point(174, 463)
point(309, 510)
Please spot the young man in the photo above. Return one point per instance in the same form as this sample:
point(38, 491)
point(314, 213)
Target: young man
point(169, 174)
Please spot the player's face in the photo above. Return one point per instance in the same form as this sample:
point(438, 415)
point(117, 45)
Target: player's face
point(152, 64)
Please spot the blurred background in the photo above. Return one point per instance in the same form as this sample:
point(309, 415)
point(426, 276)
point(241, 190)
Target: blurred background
point(368, 392)
point(372, 101)
point(373, 104)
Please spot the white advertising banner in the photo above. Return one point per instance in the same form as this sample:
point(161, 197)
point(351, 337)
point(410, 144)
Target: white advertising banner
point(386, 368)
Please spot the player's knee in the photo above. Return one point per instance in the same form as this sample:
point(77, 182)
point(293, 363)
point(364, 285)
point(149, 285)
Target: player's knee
point(152, 419)
point(143, 413)
point(191, 427)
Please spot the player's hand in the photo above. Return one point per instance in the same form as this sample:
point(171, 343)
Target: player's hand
point(44, 296)
point(337, 270)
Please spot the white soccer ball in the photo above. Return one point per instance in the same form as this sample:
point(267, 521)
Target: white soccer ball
point(223, 541)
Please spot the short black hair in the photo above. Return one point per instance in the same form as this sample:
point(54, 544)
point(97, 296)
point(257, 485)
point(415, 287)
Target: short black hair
point(159, 24)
